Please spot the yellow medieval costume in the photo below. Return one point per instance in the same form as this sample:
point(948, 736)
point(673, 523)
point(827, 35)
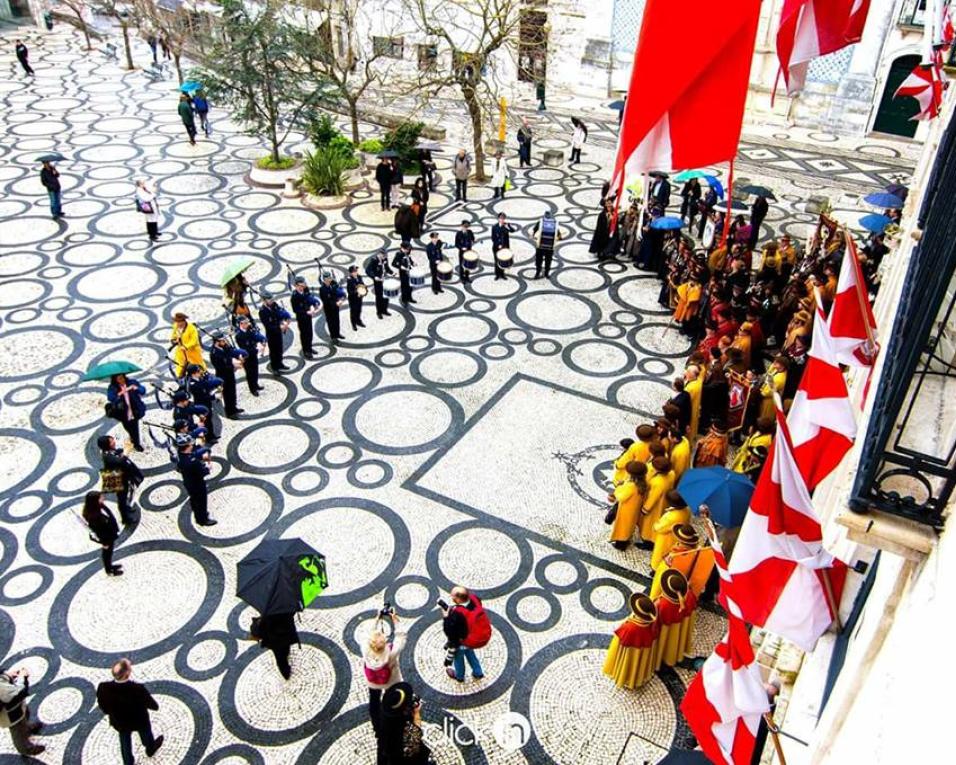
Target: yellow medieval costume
point(688, 556)
point(774, 382)
point(688, 300)
point(680, 457)
point(712, 449)
point(743, 460)
point(744, 343)
point(664, 539)
point(633, 650)
point(620, 466)
point(717, 259)
point(693, 388)
point(629, 496)
point(655, 501)
point(187, 347)
point(676, 619)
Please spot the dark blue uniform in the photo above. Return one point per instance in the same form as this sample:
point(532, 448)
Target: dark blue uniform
point(464, 241)
point(188, 413)
point(377, 271)
point(129, 417)
point(330, 294)
point(249, 340)
point(302, 303)
point(194, 471)
point(403, 262)
point(272, 317)
point(355, 300)
point(221, 359)
point(501, 240)
point(203, 392)
point(433, 251)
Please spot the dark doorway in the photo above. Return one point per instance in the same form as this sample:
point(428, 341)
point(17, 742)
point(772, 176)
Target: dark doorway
point(533, 46)
point(895, 115)
point(20, 9)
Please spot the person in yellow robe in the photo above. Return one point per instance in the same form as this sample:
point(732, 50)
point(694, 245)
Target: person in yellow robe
point(655, 501)
point(640, 449)
point(656, 449)
point(630, 500)
point(688, 300)
point(680, 454)
point(694, 560)
point(185, 339)
point(676, 617)
point(693, 386)
point(712, 449)
point(675, 514)
point(762, 436)
point(620, 464)
point(633, 650)
point(744, 342)
point(774, 382)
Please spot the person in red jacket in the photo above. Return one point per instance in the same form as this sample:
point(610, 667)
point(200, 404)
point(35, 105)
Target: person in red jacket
point(467, 627)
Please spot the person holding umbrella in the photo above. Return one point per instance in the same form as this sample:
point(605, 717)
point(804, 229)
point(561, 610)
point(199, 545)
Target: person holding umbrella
point(277, 633)
point(50, 178)
point(185, 110)
point(119, 475)
point(125, 403)
point(103, 529)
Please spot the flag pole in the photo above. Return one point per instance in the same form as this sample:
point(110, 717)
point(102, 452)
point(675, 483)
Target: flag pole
point(772, 727)
point(831, 599)
point(864, 305)
point(730, 200)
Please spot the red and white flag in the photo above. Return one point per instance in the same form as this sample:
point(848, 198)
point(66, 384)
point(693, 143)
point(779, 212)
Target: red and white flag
point(779, 564)
point(822, 422)
point(662, 121)
point(925, 84)
point(812, 28)
point(725, 701)
point(851, 322)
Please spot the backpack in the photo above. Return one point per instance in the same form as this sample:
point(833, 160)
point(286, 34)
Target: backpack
point(381, 675)
point(479, 626)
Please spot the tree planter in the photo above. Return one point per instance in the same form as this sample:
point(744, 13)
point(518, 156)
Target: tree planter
point(325, 203)
point(354, 180)
point(273, 179)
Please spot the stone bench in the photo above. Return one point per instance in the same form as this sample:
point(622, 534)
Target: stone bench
point(553, 157)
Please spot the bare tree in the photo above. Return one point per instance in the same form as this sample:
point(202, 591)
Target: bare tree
point(474, 32)
point(349, 62)
point(174, 26)
point(126, 16)
point(78, 7)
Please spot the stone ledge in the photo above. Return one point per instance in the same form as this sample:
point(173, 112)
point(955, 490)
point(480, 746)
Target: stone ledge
point(883, 531)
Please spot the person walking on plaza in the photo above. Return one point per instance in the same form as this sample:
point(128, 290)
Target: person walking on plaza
point(186, 114)
point(499, 175)
point(153, 44)
point(225, 358)
point(467, 627)
point(539, 91)
point(461, 169)
point(125, 403)
point(501, 240)
point(15, 712)
point(546, 234)
point(103, 528)
point(248, 338)
point(377, 269)
point(420, 197)
point(193, 466)
point(398, 180)
point(164, 44)
point(383, 177)
point(23, 56)
point(464, 241)
point(276, 320)
point(578, 138)
point(355, 290)
point(148, 205)
point(758, 211)
point(128, 704)
point(126, 476)
point(524, 143)
point(201, 107)
point(50, 178)
point(277, 633)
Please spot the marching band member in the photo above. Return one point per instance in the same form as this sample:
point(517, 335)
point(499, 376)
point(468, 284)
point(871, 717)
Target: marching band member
point(184, 343)
point(275, 319)
point(377, 269)
point(193, 465)
point(676, 513)
point(660, 483)
point(404, 263)
point(620, 464)
point(356, 291)
point(464, 241)
point(331, 295)
point(226, 359)
point(249, 339)
point(433, 251)
point(501, 240)
point(304, 306)
point(201, 387)
point(694, 560)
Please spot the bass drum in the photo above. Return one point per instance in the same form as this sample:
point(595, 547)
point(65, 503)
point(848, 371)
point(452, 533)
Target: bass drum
point(445, 271)
point(505, 258)
point(418, 276)
point(469, 259)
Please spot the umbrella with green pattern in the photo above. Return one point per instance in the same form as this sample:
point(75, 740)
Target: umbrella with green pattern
point(110, 368)
point(233, 270)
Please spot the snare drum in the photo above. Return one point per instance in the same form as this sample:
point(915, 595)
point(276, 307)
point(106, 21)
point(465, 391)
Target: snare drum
point(361, 290)
point(418, 276)
point(391, 287)
point(445, 271)
point(469, 260)
point(505, 258)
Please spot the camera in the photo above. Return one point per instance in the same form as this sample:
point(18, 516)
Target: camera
point(450, 651)
point(442, 605)
point(386, 611)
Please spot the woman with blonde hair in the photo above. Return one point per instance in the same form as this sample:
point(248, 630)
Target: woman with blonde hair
point(380, 663)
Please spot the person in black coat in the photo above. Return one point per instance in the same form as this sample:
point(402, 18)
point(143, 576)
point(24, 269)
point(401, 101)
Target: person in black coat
point(50, 178)
point(276, 320)
point(202, 388)
point(277, 632)
point(690, 196)
point(304, 305)
point(464, 241)
point(224, 358)
point(682, 401)
point(406, 224)
point(377, 269)
point(128, 704)
point(23, 56)
point(402, 740)
point(421, 195)
point(383, 177)
point(193, 465)
point(248, 338)
point(427, 166)
point(355, 296)
point(501, 240)
point(115, 460)
point(125, 396)
point(758, 211)
point(661, 191)
point(404, 263)
point(524, 143)
point(433, 251)
point(330, 293)
point(602, 231)
point(103, 529)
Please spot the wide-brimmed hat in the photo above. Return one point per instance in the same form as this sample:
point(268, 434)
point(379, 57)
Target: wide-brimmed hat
point(674, 586)
point(179, 316)
point(686, 534)
point(642, 607)
point(397, 699)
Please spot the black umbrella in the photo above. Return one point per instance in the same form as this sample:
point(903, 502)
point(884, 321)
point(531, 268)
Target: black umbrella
point(388, 154)
point(51, 157)
point(428, 145)
point(281, 576)
point(658, 174)
point(757, 191)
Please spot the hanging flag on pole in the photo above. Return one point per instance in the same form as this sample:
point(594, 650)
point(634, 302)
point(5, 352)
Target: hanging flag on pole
point(925, 84)
point(821, 420)
point(813, 28)
point(725, 701)
point(852, 327)
point(783, 578)
point(660, 128)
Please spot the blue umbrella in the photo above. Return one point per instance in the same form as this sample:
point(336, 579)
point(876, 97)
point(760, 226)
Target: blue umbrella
point(875, 223)
point(667, 224)
point(716, 185)
point(883, 199)
point(725, 492)
point(190, 86)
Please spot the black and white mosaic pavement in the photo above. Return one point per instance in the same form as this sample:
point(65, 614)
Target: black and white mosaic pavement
point(463, 441)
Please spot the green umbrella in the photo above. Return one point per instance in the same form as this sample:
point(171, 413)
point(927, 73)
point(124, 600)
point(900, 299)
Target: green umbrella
point(110, 368)
point(688, 174)
point(234, 269)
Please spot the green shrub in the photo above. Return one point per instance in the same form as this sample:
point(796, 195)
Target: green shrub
point(268, 163)
point(346, 149)
point(322, 130)
point(403, 140)
point(324, 172)
point(371, 146)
